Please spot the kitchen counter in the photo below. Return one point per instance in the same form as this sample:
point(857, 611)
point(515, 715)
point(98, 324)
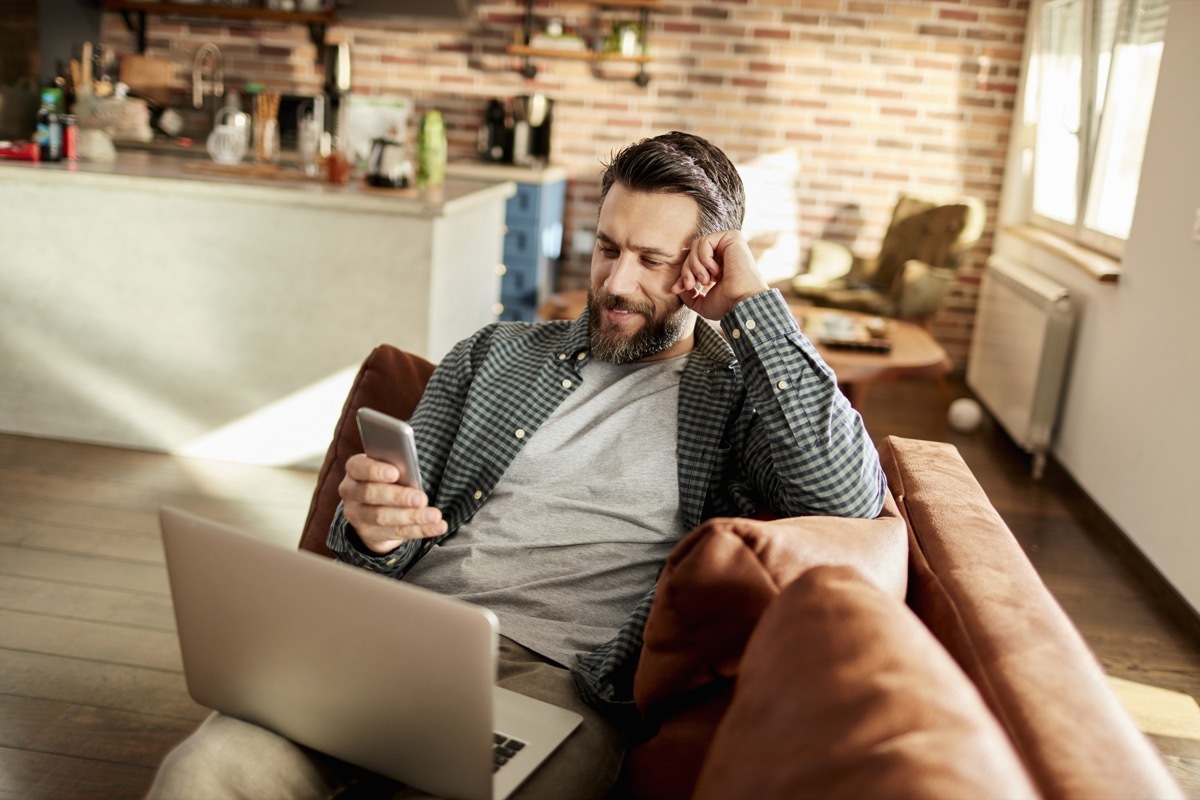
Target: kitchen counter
point(148, 304)
point(197, 177)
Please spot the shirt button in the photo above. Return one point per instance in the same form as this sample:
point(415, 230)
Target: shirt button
point(391, 562)
point(562, 356)
point(566, 384)
point(737, 334)
point(749, 325)
point(520, 433)
point(582, 355)
point(783, 384)
point(478, 495)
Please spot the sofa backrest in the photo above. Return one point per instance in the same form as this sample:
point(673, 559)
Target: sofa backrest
point(973, 587)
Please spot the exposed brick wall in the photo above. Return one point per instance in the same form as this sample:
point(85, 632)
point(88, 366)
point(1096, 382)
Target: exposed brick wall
point(831, 107)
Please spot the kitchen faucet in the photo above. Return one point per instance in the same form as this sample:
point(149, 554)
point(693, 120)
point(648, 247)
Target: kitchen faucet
point(207, 54)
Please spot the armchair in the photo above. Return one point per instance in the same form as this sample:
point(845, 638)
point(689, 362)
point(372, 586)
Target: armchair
point(915, 267)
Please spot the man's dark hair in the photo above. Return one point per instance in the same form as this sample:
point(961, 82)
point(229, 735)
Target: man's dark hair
point(682, 163)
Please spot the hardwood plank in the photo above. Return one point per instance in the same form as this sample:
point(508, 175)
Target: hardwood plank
point(86, 732)
point(36, 498)
point(120, 544)
point(99, 604)
point(26, 775)
point(280, 522)
point(67, 512)
point(91, 683)
point(1186, 772)
point(23, 562)
point(102, 642)
point(22, 719)
point(29, 456)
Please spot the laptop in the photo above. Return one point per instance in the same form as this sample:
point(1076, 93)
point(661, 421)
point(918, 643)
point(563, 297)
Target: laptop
point(388, 676)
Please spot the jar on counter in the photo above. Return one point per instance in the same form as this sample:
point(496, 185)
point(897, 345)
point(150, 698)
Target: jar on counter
point(337, 166)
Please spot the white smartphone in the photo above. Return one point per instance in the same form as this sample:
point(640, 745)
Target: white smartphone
point(386, 438)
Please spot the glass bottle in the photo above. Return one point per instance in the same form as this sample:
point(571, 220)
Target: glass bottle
point(48, 133)
point(431, 151)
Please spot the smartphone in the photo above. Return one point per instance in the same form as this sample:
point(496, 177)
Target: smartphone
point(386, 438)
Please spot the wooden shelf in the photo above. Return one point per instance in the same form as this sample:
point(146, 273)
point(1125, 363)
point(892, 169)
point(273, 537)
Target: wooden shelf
point(577, 55)
point(135, 13)
point(247, 12)
point(528, 53)
point(649, 5)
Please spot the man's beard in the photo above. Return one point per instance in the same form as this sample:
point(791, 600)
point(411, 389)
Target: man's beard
point(657, 334)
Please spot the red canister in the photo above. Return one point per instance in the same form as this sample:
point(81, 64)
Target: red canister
point(70, 136)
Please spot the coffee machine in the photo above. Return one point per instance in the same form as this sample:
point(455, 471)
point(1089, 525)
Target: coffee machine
point(495, 135)
point(517, 130)
point(533, 115)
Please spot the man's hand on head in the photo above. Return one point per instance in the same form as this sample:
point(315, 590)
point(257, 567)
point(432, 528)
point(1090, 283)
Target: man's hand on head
point(385, 514)
point(718, 273)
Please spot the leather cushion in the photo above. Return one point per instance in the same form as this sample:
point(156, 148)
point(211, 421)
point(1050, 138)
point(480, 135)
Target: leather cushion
point(715, 586)
point(843, 693)
point(391, 381)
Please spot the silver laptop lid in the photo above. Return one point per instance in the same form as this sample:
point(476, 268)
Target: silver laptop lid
point(385, 675)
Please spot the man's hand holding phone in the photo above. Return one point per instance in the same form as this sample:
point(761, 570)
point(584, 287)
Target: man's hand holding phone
point(384, 512)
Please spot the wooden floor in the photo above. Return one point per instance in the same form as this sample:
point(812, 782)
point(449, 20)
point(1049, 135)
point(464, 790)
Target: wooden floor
point(91, 694)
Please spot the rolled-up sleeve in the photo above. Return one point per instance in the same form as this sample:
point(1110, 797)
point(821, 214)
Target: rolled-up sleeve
point(804, 446)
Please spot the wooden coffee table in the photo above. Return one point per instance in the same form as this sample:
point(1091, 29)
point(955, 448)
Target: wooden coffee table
point(914, 352)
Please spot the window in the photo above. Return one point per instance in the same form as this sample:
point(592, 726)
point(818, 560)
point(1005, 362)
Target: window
point(1090, 88)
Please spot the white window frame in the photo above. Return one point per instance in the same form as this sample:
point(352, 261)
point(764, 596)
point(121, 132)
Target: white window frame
point(1089, 127)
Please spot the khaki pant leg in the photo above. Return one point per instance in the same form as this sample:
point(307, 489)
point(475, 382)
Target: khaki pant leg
point(587, 764)
point(229, 758)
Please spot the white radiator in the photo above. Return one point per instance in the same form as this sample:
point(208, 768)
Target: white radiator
point(1019, 352)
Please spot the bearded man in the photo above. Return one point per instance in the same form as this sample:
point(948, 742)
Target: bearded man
point(563, 460)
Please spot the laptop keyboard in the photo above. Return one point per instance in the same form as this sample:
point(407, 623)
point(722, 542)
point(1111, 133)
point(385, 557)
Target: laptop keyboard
point(503, 749)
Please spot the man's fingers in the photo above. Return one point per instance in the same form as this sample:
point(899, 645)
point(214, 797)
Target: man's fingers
point(392, 517)
point(366, 469)
point(384, 528)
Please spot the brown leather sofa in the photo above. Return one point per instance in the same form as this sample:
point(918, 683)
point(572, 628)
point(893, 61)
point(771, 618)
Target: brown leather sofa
point(914, 655)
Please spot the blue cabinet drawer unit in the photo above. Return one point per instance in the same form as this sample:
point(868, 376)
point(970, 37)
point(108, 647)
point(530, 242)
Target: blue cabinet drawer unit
point(532, 246)
point(533, 241)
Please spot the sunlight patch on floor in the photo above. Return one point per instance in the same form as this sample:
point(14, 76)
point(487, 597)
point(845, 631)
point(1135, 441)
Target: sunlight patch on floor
point(1161, 712)
point(281, 433)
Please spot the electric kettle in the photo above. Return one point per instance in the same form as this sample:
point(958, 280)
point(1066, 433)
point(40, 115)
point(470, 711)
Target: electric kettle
point(230, 136)
point(388, 165)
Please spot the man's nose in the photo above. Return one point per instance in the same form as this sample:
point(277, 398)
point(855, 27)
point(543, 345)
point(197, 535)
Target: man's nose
point(622, 278)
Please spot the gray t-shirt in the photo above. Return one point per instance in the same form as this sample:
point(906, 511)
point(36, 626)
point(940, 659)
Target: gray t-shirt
point(576, 531)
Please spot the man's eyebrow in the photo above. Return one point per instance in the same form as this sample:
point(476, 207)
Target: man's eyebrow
point(644, 249)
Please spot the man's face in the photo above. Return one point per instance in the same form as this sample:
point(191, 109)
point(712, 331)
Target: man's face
point(641, 240)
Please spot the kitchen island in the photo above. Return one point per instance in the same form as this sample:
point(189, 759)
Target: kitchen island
point(162, 304)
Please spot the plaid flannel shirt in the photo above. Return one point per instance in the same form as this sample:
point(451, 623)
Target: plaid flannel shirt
point(762, 425)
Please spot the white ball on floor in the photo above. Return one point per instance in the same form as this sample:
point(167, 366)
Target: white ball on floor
point(965, 415)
